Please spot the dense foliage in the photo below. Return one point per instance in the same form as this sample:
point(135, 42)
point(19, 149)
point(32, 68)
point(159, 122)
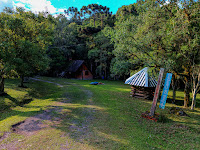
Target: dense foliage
point(25, 39)
point(160, 33)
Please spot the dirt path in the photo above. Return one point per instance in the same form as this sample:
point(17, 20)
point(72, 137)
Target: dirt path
point(47, 120)
point(36, 79)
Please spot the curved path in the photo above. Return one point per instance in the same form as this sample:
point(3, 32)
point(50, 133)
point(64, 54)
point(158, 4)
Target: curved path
point(36, 79)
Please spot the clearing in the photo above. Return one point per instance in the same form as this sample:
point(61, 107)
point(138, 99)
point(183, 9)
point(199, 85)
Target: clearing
point(72, 114)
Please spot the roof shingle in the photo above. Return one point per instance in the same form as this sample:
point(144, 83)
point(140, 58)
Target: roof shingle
point(141, 78)
point(75, 65)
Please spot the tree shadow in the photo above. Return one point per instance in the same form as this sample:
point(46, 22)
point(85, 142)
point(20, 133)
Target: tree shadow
point(43, 90)
point(181, 102)
point(14, 84)
point(11, 113)
point(198, 103)
point(4, 105)
point(17, 102)
point(177, 102)
point(79, 123)
point(14, 100)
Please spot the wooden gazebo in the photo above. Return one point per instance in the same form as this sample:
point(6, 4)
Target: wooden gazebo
point(143, 85)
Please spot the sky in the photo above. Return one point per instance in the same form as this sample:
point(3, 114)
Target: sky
point(58, 6)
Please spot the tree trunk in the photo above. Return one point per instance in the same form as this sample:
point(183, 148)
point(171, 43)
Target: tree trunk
point(194, 99)
point(22, 81)
point(174, 94)
point(174, 89)
point(91, 67)
point(96, 69)
point(2, 86)
point(105, 73)
point(186, 93)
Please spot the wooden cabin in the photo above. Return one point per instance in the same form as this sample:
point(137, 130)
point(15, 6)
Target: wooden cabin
point(77, 70)
point(142, 85)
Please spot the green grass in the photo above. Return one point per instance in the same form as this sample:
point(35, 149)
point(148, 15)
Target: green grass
point(13, 106)
point(124, 113)
point(106, 119)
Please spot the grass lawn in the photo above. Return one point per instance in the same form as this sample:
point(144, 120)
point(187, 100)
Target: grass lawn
point(94, 117)
point(13, 106)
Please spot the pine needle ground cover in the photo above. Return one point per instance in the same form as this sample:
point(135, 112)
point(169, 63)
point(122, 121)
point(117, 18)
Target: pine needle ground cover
point(85, 116)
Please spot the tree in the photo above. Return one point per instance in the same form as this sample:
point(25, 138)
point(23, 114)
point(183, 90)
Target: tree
point(195, 84)
point(171, 34)
point(160, 34)
point(29, 35)
point(67, 45)
point(94, 18)
point(128, 53)
point(7, 52)
point(95, 12)
point(183, 37)
point(74, 15)
point(63, 46)
point(101, 52)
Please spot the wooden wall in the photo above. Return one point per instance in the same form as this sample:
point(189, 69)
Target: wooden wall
point(81, 73)
point(142, 92)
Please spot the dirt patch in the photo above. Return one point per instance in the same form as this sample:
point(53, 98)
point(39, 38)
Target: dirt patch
point(36, 123)
point(5, 135)
point(10, 146)
point(31, 126)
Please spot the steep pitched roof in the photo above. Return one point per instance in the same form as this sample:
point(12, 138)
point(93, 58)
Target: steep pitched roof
point(75, 65)
point(141, 78)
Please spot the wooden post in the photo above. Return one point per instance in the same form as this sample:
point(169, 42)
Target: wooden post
point(156, 94)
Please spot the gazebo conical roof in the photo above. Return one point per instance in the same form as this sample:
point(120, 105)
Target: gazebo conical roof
point(142, 79)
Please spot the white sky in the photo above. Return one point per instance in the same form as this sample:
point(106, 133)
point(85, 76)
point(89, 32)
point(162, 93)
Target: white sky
point(33, 5)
